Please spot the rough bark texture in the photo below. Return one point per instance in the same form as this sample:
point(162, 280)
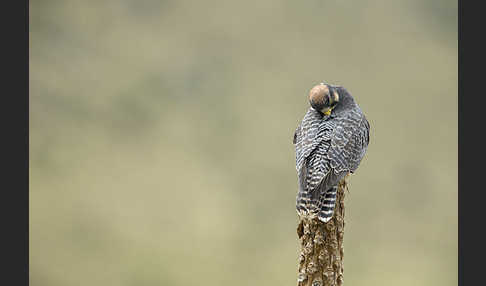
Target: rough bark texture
point(321, 244)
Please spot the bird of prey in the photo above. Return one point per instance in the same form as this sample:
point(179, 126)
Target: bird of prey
point(329, 144)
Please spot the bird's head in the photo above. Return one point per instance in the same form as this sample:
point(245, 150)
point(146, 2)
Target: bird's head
point(323, 98)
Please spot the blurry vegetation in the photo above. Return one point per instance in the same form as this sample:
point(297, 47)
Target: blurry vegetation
point(161, 139)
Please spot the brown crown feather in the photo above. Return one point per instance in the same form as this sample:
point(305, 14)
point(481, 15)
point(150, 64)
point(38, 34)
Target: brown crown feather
point(318, 95)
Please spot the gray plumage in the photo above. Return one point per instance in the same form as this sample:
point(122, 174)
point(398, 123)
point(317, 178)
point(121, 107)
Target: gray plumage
point(327, 148)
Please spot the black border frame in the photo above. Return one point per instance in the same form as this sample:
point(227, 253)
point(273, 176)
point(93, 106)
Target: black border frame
point(15, 120)
point(470, 146)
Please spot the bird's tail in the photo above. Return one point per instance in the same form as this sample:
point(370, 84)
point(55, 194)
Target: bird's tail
point(322, 205)
point(327, 203)
point(303, 201)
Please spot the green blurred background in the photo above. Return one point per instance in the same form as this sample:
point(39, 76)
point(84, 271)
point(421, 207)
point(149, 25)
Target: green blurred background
point(161, 139)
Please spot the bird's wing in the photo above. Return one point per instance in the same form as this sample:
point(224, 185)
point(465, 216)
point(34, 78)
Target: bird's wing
point(311, 131)
point(305, 135)
point(362, 139)
point(349, 141)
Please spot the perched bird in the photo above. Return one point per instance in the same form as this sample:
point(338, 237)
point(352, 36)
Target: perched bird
point(329, 144)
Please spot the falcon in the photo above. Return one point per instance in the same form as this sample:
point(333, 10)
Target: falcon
point(330, 142)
